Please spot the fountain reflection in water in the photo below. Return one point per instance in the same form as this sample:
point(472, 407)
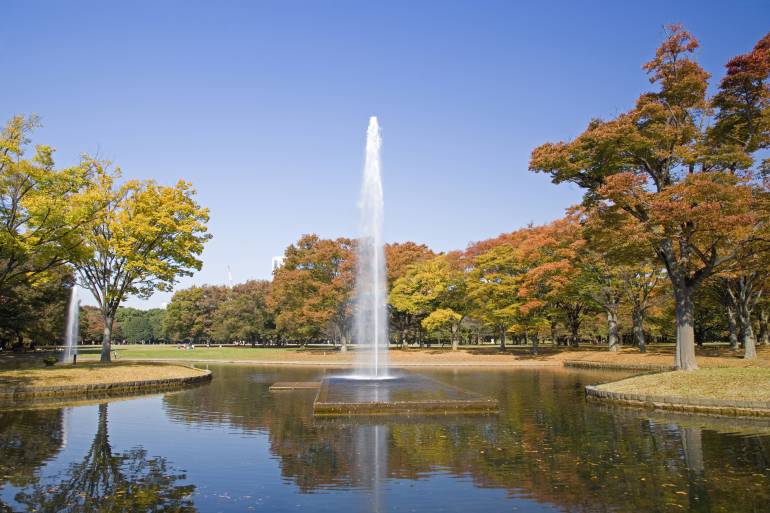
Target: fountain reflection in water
point(371, 321)
point(73, 327)
point(371, 464)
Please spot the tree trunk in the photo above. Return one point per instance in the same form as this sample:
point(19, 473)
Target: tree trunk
point(732, 328)
point(502, 339)
point(685, 332)
point(343, 342)
point(554, 333)
point(764, 336)
point(106, 356)
point(534, 344)
point(612, 330)
point(743, 299)
point(574, 326)
point(455, 338)
point(747, 334)
point(638, 321)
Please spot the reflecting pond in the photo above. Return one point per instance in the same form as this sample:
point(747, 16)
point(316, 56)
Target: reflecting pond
point(232, 445)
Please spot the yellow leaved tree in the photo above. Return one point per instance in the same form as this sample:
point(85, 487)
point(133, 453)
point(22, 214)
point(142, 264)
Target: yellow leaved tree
point(142, 239)
point(41, 208)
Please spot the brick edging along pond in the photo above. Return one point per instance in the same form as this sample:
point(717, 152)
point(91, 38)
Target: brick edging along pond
point(149, 385)
point(683, 404)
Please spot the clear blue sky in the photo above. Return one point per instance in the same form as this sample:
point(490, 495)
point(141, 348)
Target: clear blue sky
point(264, 105)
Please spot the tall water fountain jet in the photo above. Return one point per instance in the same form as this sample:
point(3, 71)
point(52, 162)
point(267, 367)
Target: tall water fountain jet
point(372, 389)
point(73, 326)
point(371, 320)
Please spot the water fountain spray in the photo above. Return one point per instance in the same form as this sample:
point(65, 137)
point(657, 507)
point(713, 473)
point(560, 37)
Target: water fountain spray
point(371, 320)
point(73, 327)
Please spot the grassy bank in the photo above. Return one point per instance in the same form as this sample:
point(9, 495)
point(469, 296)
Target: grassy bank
point(729, 384)
point(93, 374)
point(711, 356)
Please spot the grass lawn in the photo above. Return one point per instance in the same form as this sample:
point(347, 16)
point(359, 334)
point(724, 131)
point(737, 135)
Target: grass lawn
point(93, 373)
point(734, 383)
point(201, 352)
point(662, 355)
point(317, 354)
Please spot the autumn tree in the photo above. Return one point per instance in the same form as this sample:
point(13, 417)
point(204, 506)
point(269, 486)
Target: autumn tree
point(626, 263)
point(183, 315)
point(763, 336)
point(556, 281)
point(712, 317)
point(606, 286)
point(436, 291)
point(399, 257)
point(42, 209)
point(494, 282)
point(143, 237)
point(642, 288)
point(312, 290)
point(92, 324)
point(190, 315)
point(686, 181)
point(744, 286)
point(441, 320)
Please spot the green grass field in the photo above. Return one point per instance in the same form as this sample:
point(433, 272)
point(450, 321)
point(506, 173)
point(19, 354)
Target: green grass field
point(170, 352)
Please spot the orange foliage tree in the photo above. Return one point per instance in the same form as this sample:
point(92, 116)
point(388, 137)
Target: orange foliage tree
point(399, 258)
point(312, 290)
point(557, 281)
point(680, 164)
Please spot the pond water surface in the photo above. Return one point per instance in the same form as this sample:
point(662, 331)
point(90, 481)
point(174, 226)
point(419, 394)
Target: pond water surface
point(232, 445)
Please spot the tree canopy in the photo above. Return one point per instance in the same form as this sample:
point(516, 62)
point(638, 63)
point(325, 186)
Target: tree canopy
point(143, 237)
point(682, 166)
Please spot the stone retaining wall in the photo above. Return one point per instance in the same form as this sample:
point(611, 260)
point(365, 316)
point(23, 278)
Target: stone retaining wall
point(125, 387)
point(684, 404)
point(582, 364)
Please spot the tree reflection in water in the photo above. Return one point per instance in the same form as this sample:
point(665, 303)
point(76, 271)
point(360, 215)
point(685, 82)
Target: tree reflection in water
point(111, 482)
point(27, 440)
point(547, 444)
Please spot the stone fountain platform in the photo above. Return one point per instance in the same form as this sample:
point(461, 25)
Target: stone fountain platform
point(295, 385)
point(410, 394)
